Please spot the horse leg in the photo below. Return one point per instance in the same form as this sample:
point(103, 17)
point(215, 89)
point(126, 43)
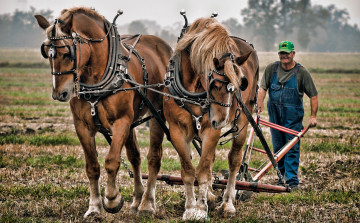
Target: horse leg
point(113, 200)
point(87, 140)
point(182, 146)
point(211, 198)
point(133, 154)
point(148, 203)
point(204, 171)
point(188, 177)
point(227, 207)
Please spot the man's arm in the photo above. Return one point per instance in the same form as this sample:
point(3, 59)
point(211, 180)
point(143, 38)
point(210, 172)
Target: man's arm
point(261, 97)
point(314, 108)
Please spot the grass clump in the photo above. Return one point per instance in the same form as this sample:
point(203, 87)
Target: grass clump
point(311, 197)
point(334, 147)
point(169, 164)
point(39, 140)
point(43, 191)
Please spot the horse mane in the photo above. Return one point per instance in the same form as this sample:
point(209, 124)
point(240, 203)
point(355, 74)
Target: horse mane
point(66, 13)
point(208, 39)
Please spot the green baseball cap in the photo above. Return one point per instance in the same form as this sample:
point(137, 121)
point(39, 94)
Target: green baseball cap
point(286, 46)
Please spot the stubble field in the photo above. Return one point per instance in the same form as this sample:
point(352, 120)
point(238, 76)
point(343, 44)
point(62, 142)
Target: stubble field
point(42, 166)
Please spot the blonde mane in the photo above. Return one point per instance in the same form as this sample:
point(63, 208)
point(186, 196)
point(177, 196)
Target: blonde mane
point(208, 39)
point(66, 13)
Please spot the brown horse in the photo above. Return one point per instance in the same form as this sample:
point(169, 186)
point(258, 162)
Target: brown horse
point(213, 62)
point(78, 46)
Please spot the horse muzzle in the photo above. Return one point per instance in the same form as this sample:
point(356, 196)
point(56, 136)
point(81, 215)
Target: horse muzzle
point(218, 119)
point(63, 95)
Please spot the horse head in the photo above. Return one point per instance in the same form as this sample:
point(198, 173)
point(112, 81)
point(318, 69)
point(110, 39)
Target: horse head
point(222, 83)
point(215, 57)
point(71, 51)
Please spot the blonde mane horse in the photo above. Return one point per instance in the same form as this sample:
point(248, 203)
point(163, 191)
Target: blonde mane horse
point(211, 61)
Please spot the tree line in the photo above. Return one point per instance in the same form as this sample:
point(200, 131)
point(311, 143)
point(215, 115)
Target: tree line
point(313, 28)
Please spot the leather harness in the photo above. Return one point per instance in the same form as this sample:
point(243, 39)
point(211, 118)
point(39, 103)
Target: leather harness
point(115, 75)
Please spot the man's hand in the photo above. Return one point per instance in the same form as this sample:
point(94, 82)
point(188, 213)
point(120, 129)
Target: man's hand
point(260, 106)
point(312, 121)
point(261, 97)
point(314, 108)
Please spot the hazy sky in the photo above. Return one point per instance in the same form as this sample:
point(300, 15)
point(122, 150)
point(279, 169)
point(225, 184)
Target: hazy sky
point(164, 12)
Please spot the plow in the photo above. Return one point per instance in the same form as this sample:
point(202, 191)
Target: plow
point(248, 177)
point(116, 99)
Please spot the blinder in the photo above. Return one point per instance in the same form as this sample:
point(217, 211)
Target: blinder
point(72, 52)
point(42, 49)
point(229, 87)
point(244, 83)
point(52, 51)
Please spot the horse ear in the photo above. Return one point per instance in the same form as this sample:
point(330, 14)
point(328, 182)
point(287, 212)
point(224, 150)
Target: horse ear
point(42, 21)
point(241, 59)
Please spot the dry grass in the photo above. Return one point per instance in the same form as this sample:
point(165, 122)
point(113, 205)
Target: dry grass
point(47, 183)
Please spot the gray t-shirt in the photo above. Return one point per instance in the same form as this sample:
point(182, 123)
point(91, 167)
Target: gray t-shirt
point(305, 82)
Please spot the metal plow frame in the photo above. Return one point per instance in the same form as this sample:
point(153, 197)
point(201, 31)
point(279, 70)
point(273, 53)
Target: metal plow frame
point(251, 184)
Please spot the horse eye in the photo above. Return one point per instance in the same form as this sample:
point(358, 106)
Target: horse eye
point(217, 88)
point(67, 56)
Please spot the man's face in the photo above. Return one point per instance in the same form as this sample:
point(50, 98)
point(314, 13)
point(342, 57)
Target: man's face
point(286, 58)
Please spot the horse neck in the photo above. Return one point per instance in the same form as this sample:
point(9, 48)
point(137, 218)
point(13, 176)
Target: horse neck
point(94, 69)
point(189, 78)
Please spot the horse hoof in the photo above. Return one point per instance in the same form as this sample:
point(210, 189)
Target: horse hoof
point(195, 214)
point(189, 214)
point(211, 202)
point(146, 208)
point(226, 210)
point(115, 209)
point(229, 214)
point(133, 210)
point(93, 210)
point(146, 213)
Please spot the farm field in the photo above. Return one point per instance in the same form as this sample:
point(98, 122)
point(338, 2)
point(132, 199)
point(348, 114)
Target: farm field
point(42, 166)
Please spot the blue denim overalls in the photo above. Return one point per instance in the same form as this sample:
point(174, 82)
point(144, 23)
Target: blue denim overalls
point(285, 108)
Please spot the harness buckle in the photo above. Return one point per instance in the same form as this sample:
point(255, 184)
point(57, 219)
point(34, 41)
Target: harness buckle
point(230, 88)
point(92, 108)
point(197, 121)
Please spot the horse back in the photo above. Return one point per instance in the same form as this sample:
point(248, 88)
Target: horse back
point(156, 54)
point(155, 51)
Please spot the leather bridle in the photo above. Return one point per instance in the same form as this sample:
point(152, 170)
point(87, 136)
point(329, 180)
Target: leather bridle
point(230, 88)
point(53, 50)
point(77, 40)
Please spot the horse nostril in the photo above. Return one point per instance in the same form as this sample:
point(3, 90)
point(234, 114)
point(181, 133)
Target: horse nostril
point(64, 95)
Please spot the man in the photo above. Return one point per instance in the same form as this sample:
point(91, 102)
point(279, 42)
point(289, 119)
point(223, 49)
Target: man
point(287, 82)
